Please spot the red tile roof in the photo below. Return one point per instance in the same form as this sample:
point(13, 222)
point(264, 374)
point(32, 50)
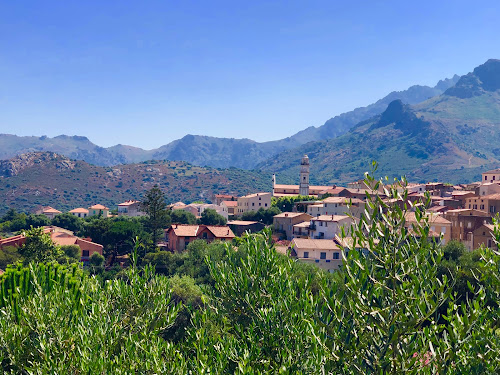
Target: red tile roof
point(98, 207)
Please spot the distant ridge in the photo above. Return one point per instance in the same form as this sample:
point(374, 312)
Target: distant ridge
point(212, 151)
point(46, 178)
point(452, 137)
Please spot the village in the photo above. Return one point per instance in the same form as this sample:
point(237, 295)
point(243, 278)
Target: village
point(311, 230)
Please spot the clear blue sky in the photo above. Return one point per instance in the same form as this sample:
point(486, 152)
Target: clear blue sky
point(147, 72)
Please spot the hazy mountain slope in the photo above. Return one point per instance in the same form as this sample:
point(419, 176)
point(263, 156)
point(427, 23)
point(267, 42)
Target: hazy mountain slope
point(340, 124)
point(46, 178)
point(210, 151)
point(74, 147)
point(452, 137)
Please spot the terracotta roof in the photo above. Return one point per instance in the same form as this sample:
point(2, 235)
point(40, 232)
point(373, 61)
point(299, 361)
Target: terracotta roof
point(304, 224)
point(493, 171)
point(336, 190)
point(254, 195)
point(290, 214)
point(491, 196)
point(332, 218)
point(230, 203)
point(221, 231)
point(185, 230)
point(241, 222)
point(51, 210)
point(342, 200)
point(80, 210)
point(98, 207)
point(128, 203)
point(307, 243)
point(433, 218)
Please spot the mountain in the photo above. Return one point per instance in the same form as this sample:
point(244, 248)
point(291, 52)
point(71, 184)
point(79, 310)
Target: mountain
point(211, 151)
point(450, 137)
point(46, 178)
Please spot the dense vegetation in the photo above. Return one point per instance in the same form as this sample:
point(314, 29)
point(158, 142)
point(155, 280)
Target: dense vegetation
point(395, 307)
point(48, 179)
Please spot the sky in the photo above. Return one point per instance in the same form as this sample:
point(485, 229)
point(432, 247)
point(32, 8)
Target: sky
point(145, 73)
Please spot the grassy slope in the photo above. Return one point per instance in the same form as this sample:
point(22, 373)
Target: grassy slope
point(82, 184)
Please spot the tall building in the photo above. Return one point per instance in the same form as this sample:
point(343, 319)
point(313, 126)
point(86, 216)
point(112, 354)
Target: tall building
point(304, 176)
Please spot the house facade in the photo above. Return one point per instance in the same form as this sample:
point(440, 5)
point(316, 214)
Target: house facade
point(253, 202)
point(80, 212)
point(99, 210)
point(491, 176)
point(48, 211)
point(329, 226)
point(284, 222)
point(465, 221)
point(325, 254)
point(178, 236)
point(130, 208)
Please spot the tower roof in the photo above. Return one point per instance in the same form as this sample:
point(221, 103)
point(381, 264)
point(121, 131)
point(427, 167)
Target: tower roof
point(305, 160)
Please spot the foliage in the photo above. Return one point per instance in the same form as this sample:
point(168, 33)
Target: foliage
point(72, 251)
point(263, 215)
point(285, 204)
point(68, 221)
point(155, 207)
point(119, 332)
point(20, 282)
point(182, 217)
point(38, 246)
point(9, 255)
point(211, 217)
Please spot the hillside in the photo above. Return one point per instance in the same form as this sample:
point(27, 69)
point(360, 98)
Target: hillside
point(211, 151)
point(46, 178)
point(451, 137)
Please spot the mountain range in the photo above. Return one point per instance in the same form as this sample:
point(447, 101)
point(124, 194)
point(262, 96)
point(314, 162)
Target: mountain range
point(46, 178)
point(451, 137)
point(212, 151)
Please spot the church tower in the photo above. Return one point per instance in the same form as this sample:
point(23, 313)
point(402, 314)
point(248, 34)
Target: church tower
point(304, 176)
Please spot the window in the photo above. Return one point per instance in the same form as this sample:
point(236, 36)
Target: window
point(265, 204)
point(474, 206)
point(204, 235)
point(260, 198)
point(322, 255)
point(306, 254)
point(481, 207)
point(485, 178)
point(336, 255)
point(253, 204)
point(85, 253)
point(492, 209)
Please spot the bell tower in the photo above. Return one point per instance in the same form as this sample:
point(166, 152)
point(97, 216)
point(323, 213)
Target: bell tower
point(304, 176)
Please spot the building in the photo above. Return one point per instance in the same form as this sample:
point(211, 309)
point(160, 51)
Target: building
point(304, 176)
point(338, 206)
point(329, 226)
point(437, 223)
point(491, 176)
point(486, 203)
point(253, 202)
point(99, 210)
point(481, 236)
point(178, 236)
point(48, 211)
point(60, 237)
point(488, 188)
point(325, 254)
point(464, 222)
point(284, 222)
point(130, 208)
point(240, 227)
point(229, 207)
point(303, 188)
point(219, 198)
point(80, 212)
